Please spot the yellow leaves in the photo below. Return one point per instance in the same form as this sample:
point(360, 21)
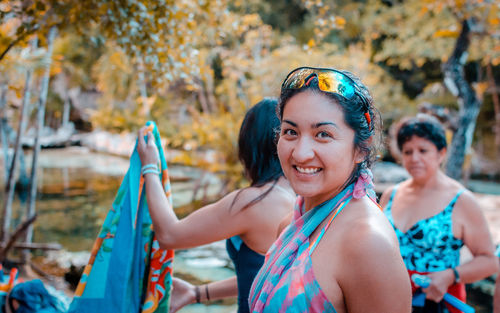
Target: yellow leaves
point(340, 21)
point(251, 20)
point(9, 27)
point(459, 4)
point(423, 11)
point(5, 6)
point(480, 88)
point(494, 21)
point(445, 33)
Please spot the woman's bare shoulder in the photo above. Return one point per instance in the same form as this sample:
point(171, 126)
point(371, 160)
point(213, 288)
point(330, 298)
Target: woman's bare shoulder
point(370, 230)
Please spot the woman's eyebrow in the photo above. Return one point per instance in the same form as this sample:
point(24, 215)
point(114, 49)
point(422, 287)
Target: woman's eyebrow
point(290, 122)
point(317, 125)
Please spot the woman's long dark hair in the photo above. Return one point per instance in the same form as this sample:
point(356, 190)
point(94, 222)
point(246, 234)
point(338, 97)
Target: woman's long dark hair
point(257, 149)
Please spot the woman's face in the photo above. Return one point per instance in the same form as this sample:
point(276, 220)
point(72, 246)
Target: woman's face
point(316, 147)
point(421, 157)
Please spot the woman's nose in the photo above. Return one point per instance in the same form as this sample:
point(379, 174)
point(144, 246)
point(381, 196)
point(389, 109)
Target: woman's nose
point(414, 156)
point(303, 151)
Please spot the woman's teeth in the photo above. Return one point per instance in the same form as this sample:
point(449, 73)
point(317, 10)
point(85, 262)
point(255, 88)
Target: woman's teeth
point(308, 170)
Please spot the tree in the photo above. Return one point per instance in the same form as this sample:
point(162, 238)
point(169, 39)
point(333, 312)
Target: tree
point(411, 34)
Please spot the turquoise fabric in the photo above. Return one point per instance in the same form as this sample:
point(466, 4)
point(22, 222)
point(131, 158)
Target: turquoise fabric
point(127, 271)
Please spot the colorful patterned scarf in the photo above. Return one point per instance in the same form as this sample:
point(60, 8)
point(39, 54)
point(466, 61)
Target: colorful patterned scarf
point(127, 271)
point(284, 250)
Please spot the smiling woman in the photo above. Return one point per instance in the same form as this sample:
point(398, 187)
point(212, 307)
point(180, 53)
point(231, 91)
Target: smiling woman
point(326, 144)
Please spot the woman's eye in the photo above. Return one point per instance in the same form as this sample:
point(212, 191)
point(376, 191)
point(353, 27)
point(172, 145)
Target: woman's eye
point(289, 132)
point(324, 134)
point(423, 150)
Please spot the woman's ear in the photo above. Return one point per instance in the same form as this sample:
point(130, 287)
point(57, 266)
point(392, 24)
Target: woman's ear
point(359, 155)
point(442, 156)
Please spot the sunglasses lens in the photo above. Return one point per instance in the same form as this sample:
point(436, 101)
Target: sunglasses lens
point(296, 79)
point(328, 81)
point(336, 83)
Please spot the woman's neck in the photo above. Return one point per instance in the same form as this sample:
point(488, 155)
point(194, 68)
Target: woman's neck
point(284, 185)
point(311, 202)
point(431, 182)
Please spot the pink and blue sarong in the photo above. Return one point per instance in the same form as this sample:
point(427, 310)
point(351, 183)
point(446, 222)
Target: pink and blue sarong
point(127, 270)
point(286, 281)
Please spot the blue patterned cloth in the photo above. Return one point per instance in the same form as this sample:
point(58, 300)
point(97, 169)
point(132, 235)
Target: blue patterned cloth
point(127, 271)
point(498, 251)
point(429, 245)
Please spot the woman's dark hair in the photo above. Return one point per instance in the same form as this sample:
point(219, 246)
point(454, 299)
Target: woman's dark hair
point(257, 146)
point(354, 115)
point(423, 126)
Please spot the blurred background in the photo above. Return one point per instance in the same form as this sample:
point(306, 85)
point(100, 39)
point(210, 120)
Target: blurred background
point(78, 78)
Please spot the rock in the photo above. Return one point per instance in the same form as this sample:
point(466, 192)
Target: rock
point(388, 172)
point(50, 138)
point(66, 259)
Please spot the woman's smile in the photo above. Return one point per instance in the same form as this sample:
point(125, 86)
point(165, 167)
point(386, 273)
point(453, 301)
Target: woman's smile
point(307, 170)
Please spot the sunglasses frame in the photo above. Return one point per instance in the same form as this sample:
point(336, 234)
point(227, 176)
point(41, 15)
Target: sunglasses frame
point(316, 71)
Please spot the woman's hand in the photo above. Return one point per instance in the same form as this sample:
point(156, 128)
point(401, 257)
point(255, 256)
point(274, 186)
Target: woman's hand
point(148, 153)
point(440, 281)
point(182, 294)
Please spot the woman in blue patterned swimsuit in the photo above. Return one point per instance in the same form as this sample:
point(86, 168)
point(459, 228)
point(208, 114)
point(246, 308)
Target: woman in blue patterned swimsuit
point(434, 216)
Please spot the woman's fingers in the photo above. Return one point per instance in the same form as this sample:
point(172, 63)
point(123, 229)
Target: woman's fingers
point(140, 135)
point(151, 140)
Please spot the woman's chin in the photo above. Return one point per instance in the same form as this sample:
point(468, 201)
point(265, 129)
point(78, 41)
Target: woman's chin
point(306, 191)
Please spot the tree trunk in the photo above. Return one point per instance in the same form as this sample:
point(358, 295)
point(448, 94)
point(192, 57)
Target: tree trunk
point(3, 131)
point(9, 186)
point(146, 110)
point(30, 210)
point(496, 106)
point(469, 103)
point(66, 112)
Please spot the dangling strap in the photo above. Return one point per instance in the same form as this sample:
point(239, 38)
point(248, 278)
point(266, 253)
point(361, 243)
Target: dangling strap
point(315, 243)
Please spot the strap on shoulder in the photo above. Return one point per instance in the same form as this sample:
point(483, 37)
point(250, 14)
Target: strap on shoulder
point(313, 246)
point(454, 200)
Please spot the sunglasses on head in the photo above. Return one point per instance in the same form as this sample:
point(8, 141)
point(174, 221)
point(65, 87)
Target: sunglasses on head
point(329, 80)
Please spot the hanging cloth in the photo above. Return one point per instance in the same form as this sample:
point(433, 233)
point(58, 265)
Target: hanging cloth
point(127, 270)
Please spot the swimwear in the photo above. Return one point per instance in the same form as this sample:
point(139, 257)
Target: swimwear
point(246, 265)
point(430, 246)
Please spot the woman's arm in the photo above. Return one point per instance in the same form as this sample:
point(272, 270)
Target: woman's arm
point(496, 296)
point(477, 238)
point(184, 293)
point(386, 195)
point(211, 223)
point(374, 278)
